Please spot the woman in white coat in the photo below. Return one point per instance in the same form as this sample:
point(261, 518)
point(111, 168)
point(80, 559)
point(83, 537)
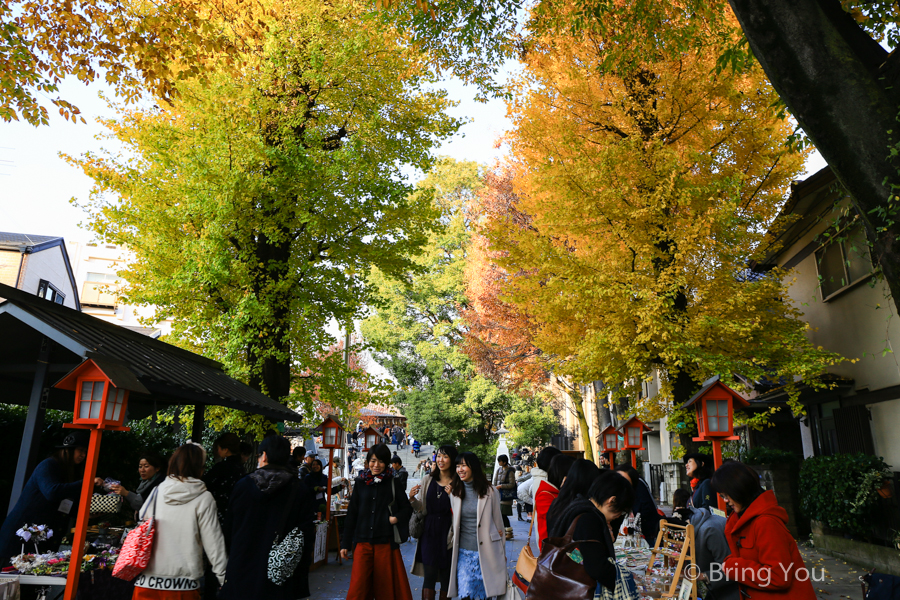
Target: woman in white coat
point(478, 568)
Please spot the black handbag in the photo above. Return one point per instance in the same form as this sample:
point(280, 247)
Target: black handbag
point(881, 586)
point(287, 549)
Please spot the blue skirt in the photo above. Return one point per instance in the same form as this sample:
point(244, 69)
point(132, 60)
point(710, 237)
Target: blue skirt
point(469, 583)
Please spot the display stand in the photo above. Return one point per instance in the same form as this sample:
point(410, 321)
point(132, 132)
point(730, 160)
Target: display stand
point(675, 544)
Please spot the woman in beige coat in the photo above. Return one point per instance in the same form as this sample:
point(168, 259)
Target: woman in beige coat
point(478, 569)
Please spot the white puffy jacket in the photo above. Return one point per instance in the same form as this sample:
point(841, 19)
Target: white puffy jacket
point(526, 489)
point(186, 526)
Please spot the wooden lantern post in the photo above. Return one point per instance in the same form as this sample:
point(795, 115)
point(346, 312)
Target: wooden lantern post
point(610, 437)
point(332, 437)
point(633, 437)
point(101, 398)
point(714, 408)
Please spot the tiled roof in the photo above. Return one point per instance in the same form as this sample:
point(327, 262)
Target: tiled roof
point(166, 370)
point(21, 240)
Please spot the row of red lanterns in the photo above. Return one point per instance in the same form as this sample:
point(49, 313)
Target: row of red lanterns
point(714, 408)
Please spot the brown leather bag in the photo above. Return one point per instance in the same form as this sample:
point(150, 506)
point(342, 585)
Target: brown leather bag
point(558, 577)
point(527, 562)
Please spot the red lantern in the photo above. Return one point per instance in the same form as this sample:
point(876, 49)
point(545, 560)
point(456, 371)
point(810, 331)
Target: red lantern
point(714, 408)
point(370, 438)
point(633, 431)
point(332, 433)
point(101, 393)
point(101, 389)
point(610, 439)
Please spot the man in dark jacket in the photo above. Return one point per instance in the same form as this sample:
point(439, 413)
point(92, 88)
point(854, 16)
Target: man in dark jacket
point(400, 471)
point(269, 502)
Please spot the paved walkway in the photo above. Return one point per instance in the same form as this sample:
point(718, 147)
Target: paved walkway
point(332, 581)
point(833, 578)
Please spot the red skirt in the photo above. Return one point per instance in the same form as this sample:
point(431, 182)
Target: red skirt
point(378, 574)
point(148, 594)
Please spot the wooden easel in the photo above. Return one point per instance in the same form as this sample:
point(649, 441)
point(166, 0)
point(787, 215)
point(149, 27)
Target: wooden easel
point(670, 533)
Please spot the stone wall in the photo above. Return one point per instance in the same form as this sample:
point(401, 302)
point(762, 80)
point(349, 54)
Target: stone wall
point(868, 556)
point(674, 477)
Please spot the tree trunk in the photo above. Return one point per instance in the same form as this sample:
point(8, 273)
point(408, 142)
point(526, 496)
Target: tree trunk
point(603, 414)
point(840, 86)
point(578, 402)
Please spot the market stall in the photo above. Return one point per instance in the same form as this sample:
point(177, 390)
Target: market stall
point(131, 376)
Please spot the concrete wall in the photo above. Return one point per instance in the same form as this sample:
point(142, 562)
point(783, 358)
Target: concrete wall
point(885, 418)
point(858, 323)
point(49, 265)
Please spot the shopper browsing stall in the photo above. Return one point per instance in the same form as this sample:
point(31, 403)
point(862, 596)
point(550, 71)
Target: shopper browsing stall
point(764, 559)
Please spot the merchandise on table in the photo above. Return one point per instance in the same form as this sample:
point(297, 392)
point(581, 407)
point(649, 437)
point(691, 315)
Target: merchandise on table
point(56, 564)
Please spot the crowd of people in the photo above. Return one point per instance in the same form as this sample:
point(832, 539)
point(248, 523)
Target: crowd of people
point(215, 529)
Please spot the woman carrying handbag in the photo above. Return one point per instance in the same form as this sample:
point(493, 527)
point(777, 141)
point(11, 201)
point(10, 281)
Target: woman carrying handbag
point(578, 555)
point(432, 497)
point(478, 570)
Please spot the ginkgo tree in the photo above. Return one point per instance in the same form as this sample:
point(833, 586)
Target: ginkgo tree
point(639, 201)
point(417, 334)
point(256, 202)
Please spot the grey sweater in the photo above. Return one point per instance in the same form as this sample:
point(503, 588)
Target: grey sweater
point(468, 520)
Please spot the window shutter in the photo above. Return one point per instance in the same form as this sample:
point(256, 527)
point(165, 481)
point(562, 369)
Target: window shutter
point(853, 429)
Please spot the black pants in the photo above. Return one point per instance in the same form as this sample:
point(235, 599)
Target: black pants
point(433, 575)
point(505, 521)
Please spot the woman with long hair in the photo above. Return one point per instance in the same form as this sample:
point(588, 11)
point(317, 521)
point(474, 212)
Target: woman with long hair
point(53, 485)
point(478, 569)
point(643, 503)
point(765, 560)
point(547, 492)
point(609, 497)
point(186, 526)
point(576, 484)
point(698, 467)
point(378, 509)
point(433, 557)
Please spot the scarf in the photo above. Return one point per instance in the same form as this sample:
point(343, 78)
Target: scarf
point(694, 483)
point(370, 479)
point(145, 484)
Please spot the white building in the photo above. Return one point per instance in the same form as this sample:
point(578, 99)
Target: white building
point(95, 267)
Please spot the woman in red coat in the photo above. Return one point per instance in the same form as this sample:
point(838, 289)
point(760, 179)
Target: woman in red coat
point(764, 559)
point(547, 492)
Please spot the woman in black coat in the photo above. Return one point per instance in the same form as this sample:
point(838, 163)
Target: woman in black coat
point(643, 503)
point(224, 475)
point(609, 497)
point(259, 504)
point(379, 512)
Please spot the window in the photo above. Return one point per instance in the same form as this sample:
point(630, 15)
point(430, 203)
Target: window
point(100, 289)
point(48, 291)
point(91, 398)
point(717, 415)
point(843, 263)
